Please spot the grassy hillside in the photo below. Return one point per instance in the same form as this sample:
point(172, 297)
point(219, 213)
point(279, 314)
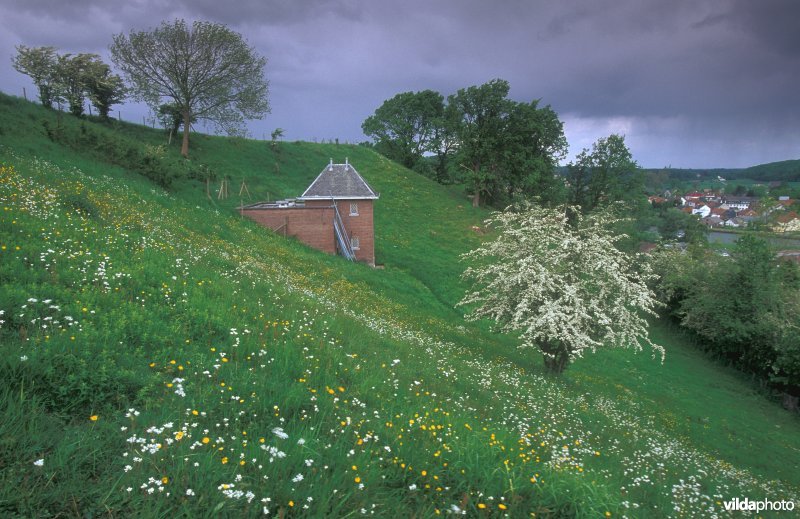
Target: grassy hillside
point(165, 358)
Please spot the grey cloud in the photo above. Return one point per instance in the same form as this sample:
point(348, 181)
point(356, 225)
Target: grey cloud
point(719, 70)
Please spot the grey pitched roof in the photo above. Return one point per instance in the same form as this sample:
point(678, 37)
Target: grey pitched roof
point(339, 181)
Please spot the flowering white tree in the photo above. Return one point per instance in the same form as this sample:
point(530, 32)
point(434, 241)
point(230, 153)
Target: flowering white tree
point(557, 277)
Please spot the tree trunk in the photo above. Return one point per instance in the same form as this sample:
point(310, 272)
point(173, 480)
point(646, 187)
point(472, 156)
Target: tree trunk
point(790, 402)
point(556, 357)
point(186, 126)
point(476, 199)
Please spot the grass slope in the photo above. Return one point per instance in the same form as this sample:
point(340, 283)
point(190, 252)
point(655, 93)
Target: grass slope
point(165, 358)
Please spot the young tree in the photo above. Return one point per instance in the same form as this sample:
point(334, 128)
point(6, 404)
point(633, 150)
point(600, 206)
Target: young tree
point(404, 127)
point(40, 64)
point(559, 279)
point(207, 70)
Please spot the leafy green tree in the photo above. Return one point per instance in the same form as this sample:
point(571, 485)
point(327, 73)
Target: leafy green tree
point(207, 70)
point(39, 63)
point(104, 88)
point(605, 174)
point(507, 148)
point(74, 73)
point(405, 127)
point(559, 280)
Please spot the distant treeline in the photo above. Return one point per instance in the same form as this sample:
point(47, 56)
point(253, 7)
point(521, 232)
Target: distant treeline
point(784, 171)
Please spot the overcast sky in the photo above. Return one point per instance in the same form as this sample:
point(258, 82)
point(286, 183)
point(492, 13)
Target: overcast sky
point(690, 83)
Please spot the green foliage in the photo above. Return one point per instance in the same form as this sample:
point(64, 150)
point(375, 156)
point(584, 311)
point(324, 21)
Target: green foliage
point(605, 175)
point(73, 73)
point(508, 149)
point(404, 127)
point(40, 64)
point(504, 150)
point(744, 308)
point(104, 88)
point(70, 78)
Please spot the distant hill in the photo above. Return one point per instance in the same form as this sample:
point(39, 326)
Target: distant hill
point(786, 171)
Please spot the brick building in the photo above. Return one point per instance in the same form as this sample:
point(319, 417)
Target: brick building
point(333, 215)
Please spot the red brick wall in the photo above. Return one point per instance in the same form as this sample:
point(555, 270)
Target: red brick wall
point(360, 226)
point(313, 225)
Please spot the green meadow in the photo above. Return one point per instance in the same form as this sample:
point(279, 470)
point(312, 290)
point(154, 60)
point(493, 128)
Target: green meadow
point(163, 357)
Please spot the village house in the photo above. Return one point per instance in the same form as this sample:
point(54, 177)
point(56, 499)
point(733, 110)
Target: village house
point(703, 210)
point(334, 214)
point(739, 203)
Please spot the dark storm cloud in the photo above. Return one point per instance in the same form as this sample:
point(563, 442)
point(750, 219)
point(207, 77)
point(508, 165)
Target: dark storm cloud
point(690, 82)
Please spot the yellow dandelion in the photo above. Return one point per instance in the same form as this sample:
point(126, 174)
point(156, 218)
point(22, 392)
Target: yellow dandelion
point(205, 440)
point(224, 460)
point(481, 506)
point(179, 435)
point(94, 417)
point(165, 480)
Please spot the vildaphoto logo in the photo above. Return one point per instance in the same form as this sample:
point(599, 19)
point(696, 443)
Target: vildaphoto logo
point(746, 505)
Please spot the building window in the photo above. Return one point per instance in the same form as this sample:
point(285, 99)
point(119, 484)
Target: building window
point(353, 208)
point(355, 243)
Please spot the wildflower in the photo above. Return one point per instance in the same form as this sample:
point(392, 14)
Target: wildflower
point(165, 480)
point(501, 506)
point(297, 479)
point(39, 462)
point(94, 417)
point(481, 505)
point(189, 492)
point(224, 460)
point(205, 440)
